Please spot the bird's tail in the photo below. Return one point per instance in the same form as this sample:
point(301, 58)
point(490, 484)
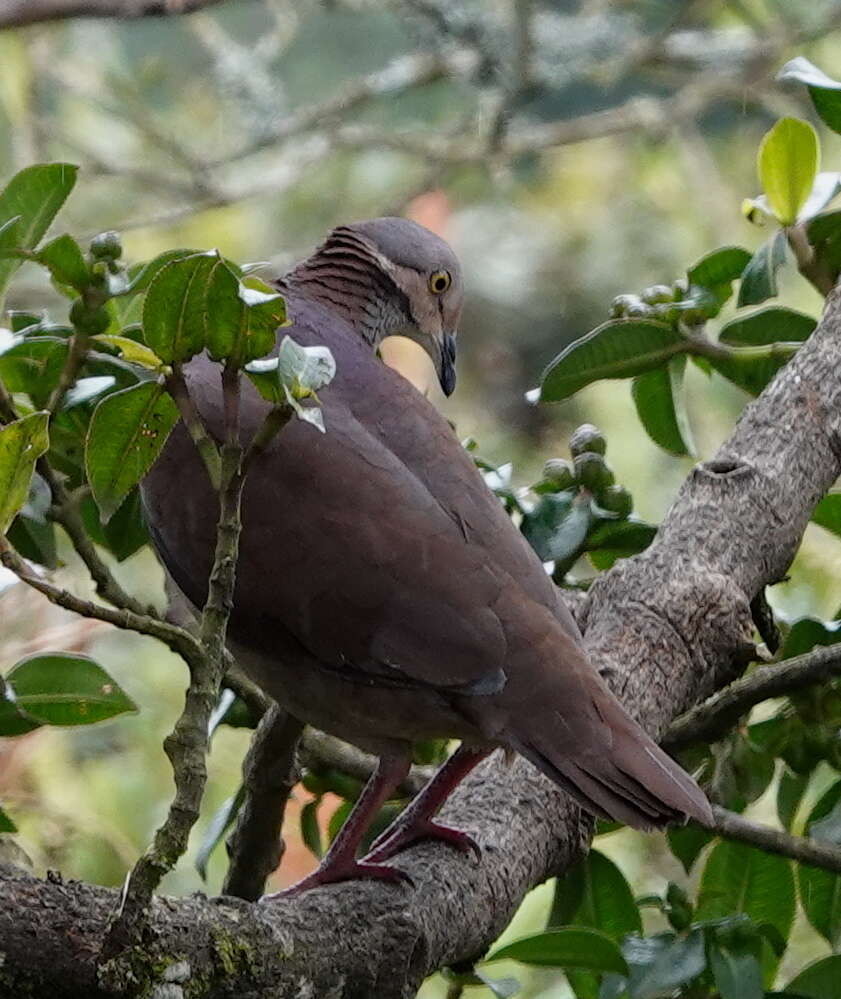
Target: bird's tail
point(618, 772)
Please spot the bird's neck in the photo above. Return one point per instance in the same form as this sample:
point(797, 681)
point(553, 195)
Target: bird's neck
point(346, 277)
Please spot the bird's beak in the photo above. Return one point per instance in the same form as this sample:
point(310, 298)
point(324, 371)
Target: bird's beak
point(447, 367)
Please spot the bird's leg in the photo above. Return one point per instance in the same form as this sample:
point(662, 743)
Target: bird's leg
point(415, 821)
point(340, 863)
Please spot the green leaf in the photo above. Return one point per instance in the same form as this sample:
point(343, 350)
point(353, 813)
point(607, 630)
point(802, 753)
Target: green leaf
point(87, 389)
point(741, 879)
point(131, 351)
point(241, 316)
point(807, 632)
point(304, 370)
point(752, 368)
point(773, 324)
point(21, 444)
point(658, 397)
point(222, 820)
point(790, 793)
point(827, 514)
point(824, 233)
point(661, 964)
point(788, 164)
point(759, 278)
point(64, 260)
point(33, 366)
point(174, 309)
point(568, 947)
point(142, 275)
point(557, 526)
point(63, 689)
point(126, 434)
point(6, 824)
point(620, 348)
point(824, 91)
point(819, 980)
point(33, 197)
point(34, 540)
point(614, 539)
point(310, 831)
point(125, 533)
point(819, 890)
point(736, 970)
point(13, 720)
point(719, 267)
point(687, 842)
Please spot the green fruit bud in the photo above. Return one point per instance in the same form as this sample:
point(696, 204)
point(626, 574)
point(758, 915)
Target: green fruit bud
point(592, 472)
point(666, 312)
point(587, 438)
point(90, 321)
point(616, 499)
point(106, 246)
point(639, 311)
point(620, 305)
point(657, 294)
point(559, 473)
point(679, 289)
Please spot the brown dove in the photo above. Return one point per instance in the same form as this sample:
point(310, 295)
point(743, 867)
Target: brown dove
point(383, 594)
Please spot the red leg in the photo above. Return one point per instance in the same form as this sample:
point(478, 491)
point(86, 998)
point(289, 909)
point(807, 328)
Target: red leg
point(340, 863)
point(415, 821)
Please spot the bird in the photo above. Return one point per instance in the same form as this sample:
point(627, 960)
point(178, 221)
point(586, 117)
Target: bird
point(383, 594)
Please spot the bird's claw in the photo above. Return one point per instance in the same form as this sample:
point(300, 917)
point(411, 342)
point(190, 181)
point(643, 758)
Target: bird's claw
point(395, 840)
point(329, 874)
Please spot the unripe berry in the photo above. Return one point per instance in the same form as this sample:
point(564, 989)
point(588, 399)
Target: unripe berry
point(587, 438)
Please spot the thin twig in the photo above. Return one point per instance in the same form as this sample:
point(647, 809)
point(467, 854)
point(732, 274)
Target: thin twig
point(733, 826)
point(18, 13)
point(177, 387)
point(710, 720)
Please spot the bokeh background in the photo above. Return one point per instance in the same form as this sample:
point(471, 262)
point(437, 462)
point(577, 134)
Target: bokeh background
point(569, 150)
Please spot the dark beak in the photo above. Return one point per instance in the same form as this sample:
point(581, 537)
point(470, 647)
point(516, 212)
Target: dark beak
point(447, 371)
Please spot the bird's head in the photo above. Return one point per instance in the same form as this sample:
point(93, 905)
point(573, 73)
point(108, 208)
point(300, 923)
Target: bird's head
point(391, 276)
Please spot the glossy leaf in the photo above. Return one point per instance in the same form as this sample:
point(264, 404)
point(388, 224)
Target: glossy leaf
point(310, 831)
point(34, 540)
point(21, 444)
point(131, 350)
point(222, 820)
point(752, 368)
point(827, 514)
point(13, 720)
point(606, 902)
point(819, 890)
point(658, 397)
point(819, 980)
point(824, 233)
point(33, 197)
point(736, 970)
point(64, 260)
point(741, 879)
point(63, 689)
point(33, 366)
point(790, 793)
point(174, 309)
point(568, 947)
point(759, 278)
point(824, 91)
point(6, 824)
point(241, 316)
point(126, 434)
point(615, 539)
point(557, 526)
point(773, 324)
point(788, 165)
point(719, 267)
point(621, 348)
point(142, 275)
point(661, 964)
point(687, 842)
point(125, 533)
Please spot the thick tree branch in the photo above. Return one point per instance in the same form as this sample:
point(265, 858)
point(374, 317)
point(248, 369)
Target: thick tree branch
point(665, 628)
point(18, 13)
point(711, 720)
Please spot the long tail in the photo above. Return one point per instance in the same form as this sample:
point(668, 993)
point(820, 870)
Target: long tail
point(617, 772)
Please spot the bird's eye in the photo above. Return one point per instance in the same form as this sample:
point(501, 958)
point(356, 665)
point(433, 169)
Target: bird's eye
point(439, 281)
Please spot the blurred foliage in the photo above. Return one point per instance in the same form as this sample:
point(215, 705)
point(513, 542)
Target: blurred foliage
point(194, 132)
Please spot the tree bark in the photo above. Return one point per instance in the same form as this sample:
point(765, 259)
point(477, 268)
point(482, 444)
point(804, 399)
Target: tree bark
point(666, 628)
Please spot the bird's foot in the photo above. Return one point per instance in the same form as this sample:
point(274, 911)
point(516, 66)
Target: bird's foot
point(353, 870)
point(393, 840)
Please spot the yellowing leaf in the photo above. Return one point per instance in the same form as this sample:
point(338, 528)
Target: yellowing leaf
point(132, 351)
point(788, 164)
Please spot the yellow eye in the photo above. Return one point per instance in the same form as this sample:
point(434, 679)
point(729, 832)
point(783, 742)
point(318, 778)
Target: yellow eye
point(439, 281)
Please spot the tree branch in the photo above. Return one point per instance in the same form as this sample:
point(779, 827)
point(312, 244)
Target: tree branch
point(733, 826)
point(710, 721)
point(666, 628)
point(18, 13)
point(255, 846)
